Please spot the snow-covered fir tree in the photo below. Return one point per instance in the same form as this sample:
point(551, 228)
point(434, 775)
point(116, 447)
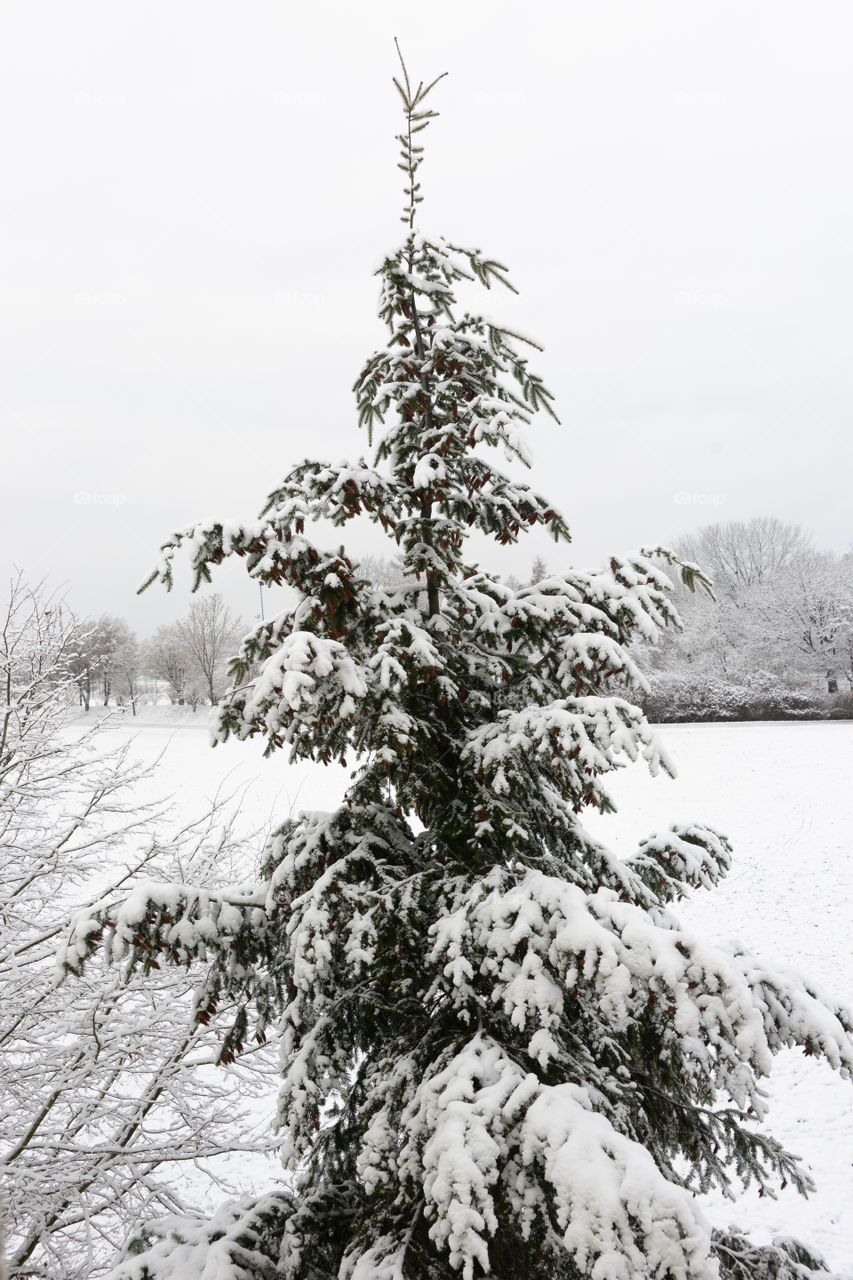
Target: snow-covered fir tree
point(501, 1051)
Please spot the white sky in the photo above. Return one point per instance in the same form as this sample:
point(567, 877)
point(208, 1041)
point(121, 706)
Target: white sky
point(195, 196)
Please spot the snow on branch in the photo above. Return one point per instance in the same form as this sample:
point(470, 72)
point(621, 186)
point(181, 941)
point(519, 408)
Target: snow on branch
point(797, 1014)
point(306, 677)
point(686, 856)
point(576, 739)
point(182, 921)
point(540, 942)
point(481, 1128)
point(241, 1240)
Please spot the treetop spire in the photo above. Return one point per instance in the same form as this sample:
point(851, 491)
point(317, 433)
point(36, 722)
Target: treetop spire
point(417, 119)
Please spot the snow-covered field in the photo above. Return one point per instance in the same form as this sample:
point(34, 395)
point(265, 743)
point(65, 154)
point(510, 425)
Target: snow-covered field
point(783, 795)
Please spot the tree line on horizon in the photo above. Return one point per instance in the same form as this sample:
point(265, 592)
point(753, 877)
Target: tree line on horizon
point(776, 638)
point(776, 641)
point(187, 660)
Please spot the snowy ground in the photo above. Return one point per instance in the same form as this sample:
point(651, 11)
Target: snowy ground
point(783, 795)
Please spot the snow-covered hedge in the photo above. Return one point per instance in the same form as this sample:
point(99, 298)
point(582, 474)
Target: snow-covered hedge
point(762, 696)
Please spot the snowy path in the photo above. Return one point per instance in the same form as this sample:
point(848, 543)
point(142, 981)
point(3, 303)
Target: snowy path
point(783, 793)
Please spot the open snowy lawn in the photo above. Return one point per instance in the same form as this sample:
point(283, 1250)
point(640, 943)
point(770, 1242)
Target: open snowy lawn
point(783, 793)
point(190, 771)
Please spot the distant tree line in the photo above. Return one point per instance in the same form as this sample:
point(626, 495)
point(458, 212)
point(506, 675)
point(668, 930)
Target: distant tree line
point(185, 660)
point(776, 643)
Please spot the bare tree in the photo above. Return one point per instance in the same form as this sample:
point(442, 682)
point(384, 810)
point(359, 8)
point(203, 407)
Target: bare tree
point(85, 660)
point(167, 657)
point(106, 1096)
point(808, 607)
point(538, 570)
point(783, 608)
point(117, 641)
point(211, 632)
point(127, 668)
point(739, 554)
point(38, 638)
point(382, 571)
point(94, 662)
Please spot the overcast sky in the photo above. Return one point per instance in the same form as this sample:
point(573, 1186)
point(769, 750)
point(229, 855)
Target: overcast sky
point(195, 196)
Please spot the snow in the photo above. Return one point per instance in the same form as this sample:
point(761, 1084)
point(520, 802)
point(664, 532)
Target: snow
point(429, 471)
point(609, 1191)
point(286, 673)
point(227, 1247)
point(616, 1212)
point(629, 960)
point(781, 794)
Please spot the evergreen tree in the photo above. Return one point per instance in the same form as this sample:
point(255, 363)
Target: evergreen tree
point(501, 1051)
